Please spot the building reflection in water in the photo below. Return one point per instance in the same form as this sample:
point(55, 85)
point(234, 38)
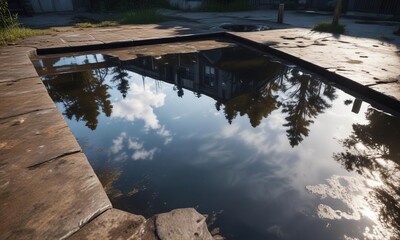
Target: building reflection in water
point(241, 82)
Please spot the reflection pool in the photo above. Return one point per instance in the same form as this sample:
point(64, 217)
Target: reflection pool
point(265, 148)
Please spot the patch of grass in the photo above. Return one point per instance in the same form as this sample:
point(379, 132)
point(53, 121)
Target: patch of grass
point(12, 34)
point(142, 16)
point(100, 24)
point(328, 27)
point(221, 6)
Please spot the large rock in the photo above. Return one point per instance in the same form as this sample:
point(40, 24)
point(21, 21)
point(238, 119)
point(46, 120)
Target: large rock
point(182, 224)
point(113, 224)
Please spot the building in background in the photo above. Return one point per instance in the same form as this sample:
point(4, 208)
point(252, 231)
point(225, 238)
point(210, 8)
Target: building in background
point(384, 7)
point(44, 6)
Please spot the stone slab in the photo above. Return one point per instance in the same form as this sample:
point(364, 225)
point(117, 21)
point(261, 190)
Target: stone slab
point(76, 37)
point(12, 72)
point(390, 89)
point(363, 60)
point(113, 224)
point(51, 201)
point(130, 53)
point(22, 97)
point(33, 138)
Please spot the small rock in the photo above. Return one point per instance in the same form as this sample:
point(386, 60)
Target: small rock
point(288, 37)
point(18, 122)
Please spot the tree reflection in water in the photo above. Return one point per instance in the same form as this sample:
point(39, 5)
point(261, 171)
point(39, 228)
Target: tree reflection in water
point(242, 82)
point(256, 105)
point(121, 79)
point(85, 94)
point(373, 151)
point(82, 94)
point(307, 98)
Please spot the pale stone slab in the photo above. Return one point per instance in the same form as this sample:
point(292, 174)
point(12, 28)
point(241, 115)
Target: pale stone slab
point(76, 37)
point(51, 201)
point(23, 97)
point(363, 60)
point(14, 72)
point(32, 138)
point(390, 89)
point(113, 224)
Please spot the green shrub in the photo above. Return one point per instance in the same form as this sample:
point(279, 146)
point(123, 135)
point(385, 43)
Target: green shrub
point(99, 24)
point(328, 27)
point(225, 5)
point(7, 19)
point(10, 29)
point(12, 34)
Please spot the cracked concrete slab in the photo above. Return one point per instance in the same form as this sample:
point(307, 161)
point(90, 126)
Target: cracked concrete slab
point(33, 138)
point(23, 96)
point(390, 89)
point(353, 58)
point(12, 72)
point(51, 201)
point(76, 37)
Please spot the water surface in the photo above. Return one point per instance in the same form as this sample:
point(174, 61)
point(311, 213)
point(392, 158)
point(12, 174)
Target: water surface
point(266, 149)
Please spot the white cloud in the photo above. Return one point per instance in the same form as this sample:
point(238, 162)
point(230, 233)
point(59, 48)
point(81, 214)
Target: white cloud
point(166, 134)
point(121, 157)
point(355, 194)
point(132, 144)
point(140, 104)
point(123, 143)
point(163, 132)
point(230, 130)
point(142, 154)
point(118, 143)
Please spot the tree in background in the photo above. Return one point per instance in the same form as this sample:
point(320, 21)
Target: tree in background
point(7, 20)
point(336, 14)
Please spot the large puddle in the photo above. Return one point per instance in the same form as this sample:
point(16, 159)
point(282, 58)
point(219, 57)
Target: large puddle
point(266, 149)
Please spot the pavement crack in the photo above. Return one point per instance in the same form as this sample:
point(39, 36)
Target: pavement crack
point(82, 223)
point(32, 111)
point(382, 82)
point(37, 165)
point(17, 80)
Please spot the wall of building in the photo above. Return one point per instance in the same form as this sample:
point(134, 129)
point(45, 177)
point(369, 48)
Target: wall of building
point(186, 4)
point(43, 6)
